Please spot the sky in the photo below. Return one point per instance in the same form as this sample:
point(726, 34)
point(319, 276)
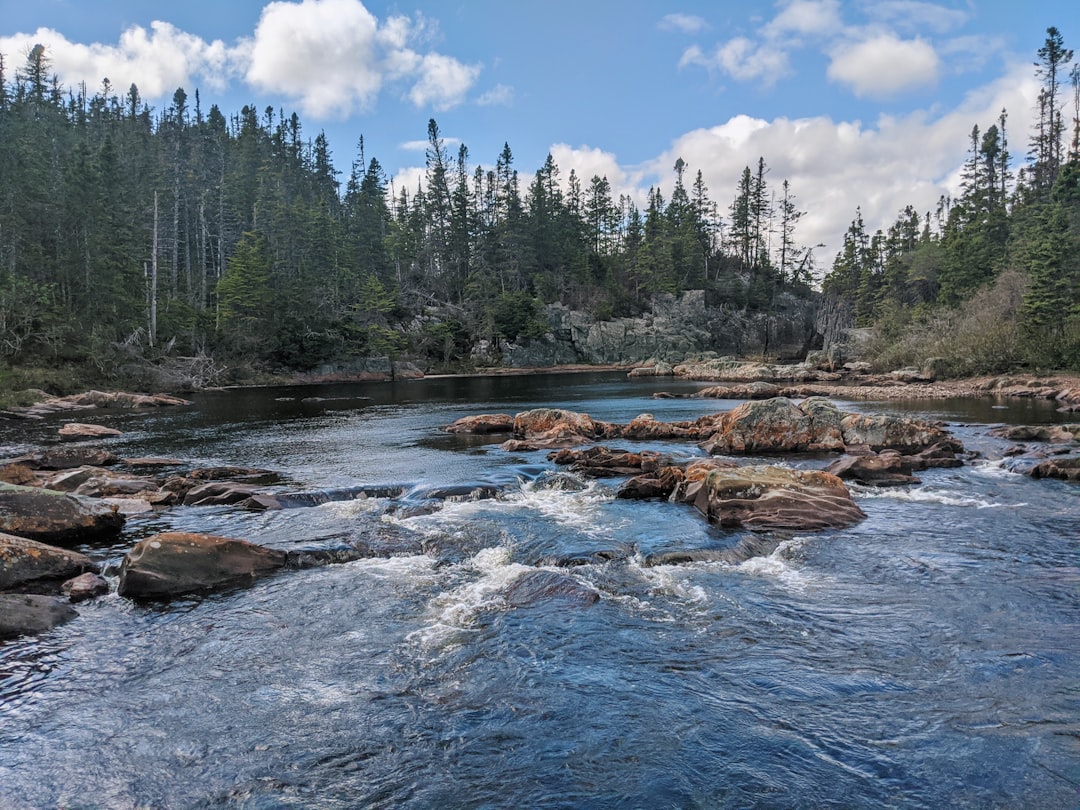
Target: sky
point(866, 103)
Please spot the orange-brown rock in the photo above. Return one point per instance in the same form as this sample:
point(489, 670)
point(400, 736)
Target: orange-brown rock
point(55, 517)
point(764, 497)
point(76, 431)
point(777, 425)
point(23, 561)
point(483, 424)
point(177, 562)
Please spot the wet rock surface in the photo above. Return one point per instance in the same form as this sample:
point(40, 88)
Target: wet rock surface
point(27, 613)
point(23, 561)
point(55, 517)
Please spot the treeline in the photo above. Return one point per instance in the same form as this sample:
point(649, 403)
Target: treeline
point(990, 280)
point(127, 234)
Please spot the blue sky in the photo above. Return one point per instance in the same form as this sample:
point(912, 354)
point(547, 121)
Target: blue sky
point(856, 103)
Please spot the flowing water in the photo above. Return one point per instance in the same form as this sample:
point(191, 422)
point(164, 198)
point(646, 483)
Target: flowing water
point(927, 657)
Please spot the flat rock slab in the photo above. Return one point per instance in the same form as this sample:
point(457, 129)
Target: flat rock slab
point(27, 613)
point(77, 431)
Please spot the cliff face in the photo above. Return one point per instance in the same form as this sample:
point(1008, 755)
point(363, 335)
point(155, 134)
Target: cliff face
point(675, 329)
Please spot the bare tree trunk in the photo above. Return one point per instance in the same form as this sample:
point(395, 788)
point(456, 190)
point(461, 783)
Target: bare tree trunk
point(154, 276)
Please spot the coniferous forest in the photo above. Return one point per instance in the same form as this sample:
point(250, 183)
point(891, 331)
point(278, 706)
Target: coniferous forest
point(132, 238)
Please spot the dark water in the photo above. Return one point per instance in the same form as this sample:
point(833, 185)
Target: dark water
point(927, 657)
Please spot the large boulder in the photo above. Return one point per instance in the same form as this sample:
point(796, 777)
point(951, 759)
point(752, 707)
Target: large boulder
point(553, 428)
point(776, 425)
point(55, 517)
point(23, 561)
point(26, 613)
point(765, 497)
point(882, 432)
point(176, 563)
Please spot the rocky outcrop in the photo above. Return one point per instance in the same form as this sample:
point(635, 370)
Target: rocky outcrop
point(1051, 434)
point(605, 462)
point(762, 497)
point(677, 327)
point(677, 483)
point(91, 400)
point(175, 563)
point(881, 432)
point(732, 369)
point(55, 517)
point(1066, 469)
point(552, 428)
point(23, 561)
point(27, 613)
point(891, 468)
point(777, 426)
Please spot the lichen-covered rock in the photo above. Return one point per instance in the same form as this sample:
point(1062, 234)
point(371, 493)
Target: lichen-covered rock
point(176, 563)
point(765, 497)
point(776, 425)
point(23, 561)
point(55, 517)
point(881, 432)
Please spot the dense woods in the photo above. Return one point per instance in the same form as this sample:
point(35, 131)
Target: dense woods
point(990, 280)
point(132, 238)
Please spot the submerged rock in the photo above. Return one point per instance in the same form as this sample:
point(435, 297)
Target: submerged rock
point(764, 497)
point(542, 586)
point(747, 548)
point(23, 561)
point(28, 613)
point(55, 517)
point(176, 563)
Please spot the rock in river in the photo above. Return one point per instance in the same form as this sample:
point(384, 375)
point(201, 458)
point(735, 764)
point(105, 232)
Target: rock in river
point(23, 561)
point(764, 497)
point(55, 517)
point(175, 563)
point(24, 613)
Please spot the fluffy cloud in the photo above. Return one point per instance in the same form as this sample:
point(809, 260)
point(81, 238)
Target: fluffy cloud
point(333, 57)
point(834, 166)
point(884, 66)
point(329, 57)
point(741, 59)
point(819, 17)
point(158, 61)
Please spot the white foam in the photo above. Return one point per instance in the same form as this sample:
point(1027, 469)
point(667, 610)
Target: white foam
point(354, 507)
point(453, 611)
point(778, 566)
point(919, 495)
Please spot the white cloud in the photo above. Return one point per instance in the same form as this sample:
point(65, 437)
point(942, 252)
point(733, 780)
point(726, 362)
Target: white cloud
point(742, 59)
point(330, 57)
point(683, 23)
point(834, 166)
point(916, 15)
point(158, 61)
point(333, 57)
point(820, 17)
point(500, 95)
point(884, 66)
point(443, 82)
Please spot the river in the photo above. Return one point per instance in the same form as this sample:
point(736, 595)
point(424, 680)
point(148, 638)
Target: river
point(928, 657)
